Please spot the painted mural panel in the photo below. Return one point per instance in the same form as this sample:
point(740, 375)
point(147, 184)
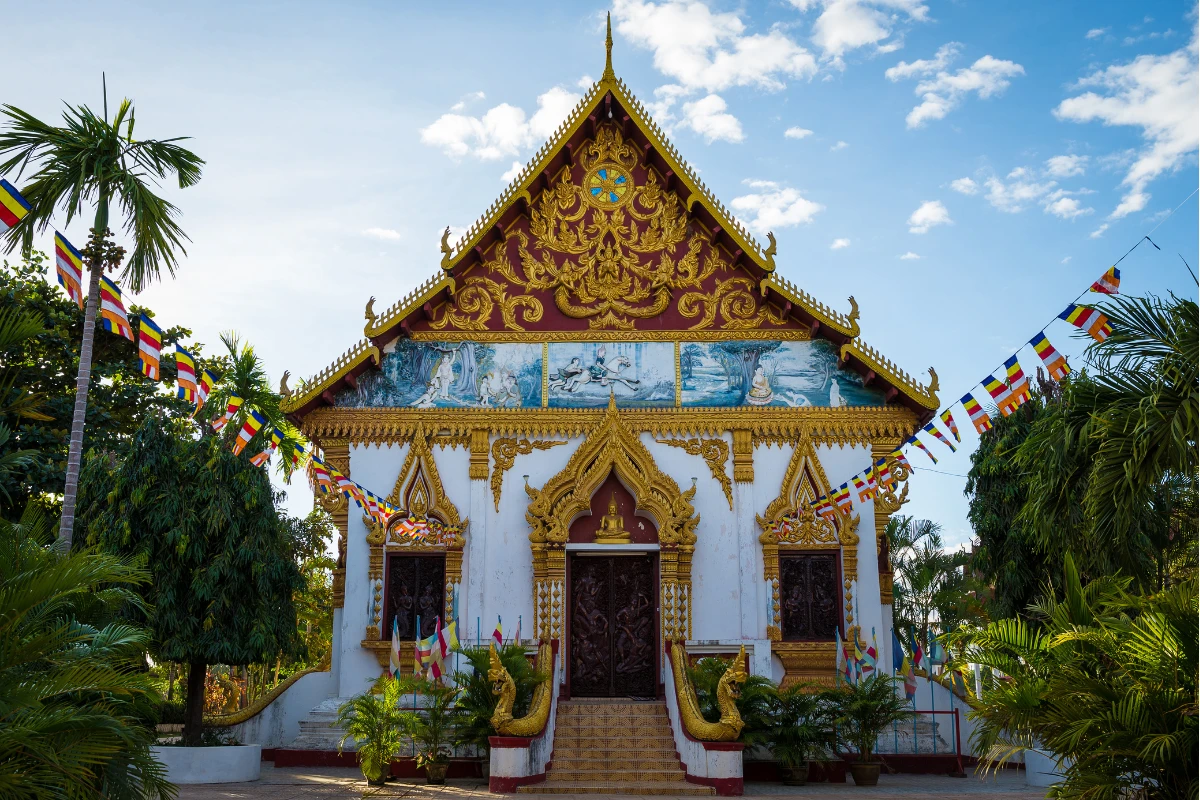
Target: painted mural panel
point(639, 374)
point(452, 375)
point(769, 373)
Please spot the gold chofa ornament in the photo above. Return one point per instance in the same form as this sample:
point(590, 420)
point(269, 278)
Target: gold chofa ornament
point(612, 526)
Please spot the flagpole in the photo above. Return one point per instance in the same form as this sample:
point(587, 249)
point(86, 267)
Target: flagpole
point(932, 698)
point(417, 670)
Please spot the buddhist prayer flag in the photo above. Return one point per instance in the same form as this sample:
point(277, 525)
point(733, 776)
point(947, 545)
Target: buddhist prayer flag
point(979, 417)
point(235, 402)
point(1017, 382)
point(450, 637)
point(825, 509)
point(1087, 319)
point(112, 310)
point(1000, 394)
point(185, 375)
point(298, 452)
point(902, 459)
point(918, 654)
point(843, 659)
point(69, 264)
point(320, 472)
point(13, 207)
point(498, 634)
point(204, 388)
point(149, 347)
point(920, 444)
point(948, 420)
point(1109, 282)
point(937, 653)
point(937, 434)
point(864, 491)
point(251, 426)
point(842, 498)
point(885, 474)
point(1056, 365)
point(261, 458)
point(394, 650)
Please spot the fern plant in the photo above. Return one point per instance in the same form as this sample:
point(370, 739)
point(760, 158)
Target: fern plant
point(376, 723)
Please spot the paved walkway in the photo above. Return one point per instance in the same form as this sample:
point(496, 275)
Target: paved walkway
point(312, 782)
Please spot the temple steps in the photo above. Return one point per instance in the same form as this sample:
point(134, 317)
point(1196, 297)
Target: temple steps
point(614, 747)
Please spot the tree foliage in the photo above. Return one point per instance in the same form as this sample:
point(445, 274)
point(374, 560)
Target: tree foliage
point(74, 699)
point(1103, 677)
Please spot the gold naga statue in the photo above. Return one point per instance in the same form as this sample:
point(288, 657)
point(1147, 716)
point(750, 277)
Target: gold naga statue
point(612, 526)
point(539, 706)
point(729, 727)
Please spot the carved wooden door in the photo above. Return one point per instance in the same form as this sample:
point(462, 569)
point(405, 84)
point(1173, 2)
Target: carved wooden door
point(808, 588)
point(614, 630)
point(415, 590)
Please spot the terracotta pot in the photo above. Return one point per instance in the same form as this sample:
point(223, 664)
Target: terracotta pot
point(794, 776)
point(436, 773)
point(865, 773)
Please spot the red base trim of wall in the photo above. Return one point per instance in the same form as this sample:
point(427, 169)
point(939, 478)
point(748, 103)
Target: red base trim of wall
point(726, 787)
point(499, 785)
point(923, 764)
point(511, 741)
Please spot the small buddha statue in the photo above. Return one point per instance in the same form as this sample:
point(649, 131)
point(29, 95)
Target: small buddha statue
point(760, 388)
point(612, 525)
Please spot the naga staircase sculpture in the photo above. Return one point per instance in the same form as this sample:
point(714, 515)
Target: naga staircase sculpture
point(729, 727)
point(539, 706)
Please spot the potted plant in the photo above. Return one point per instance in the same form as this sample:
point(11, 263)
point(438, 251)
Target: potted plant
point(431, 727)
point(375, 722)
point(864, 711)
point(801, 727)
point(477, 702)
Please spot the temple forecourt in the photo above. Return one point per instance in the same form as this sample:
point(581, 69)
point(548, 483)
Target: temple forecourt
point(605, 413)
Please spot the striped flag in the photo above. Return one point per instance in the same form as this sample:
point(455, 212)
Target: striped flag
point(825, 509)
point(1087, 319)
point(979, 417)
point(1000, 394)
point(1056, 365)
point(112, 310)
point(203, 389)
point(920, 444)
point(864, 491)
point(902, 459)
point(872, 483)
point(69, 263)
point(298, 453)
point(235, 402)
point(1018, 384)
point(884, 473)
point(149, 347)
point(843, 660)
point(320, 474)
point(251, 426)
point(948, 420)
point(937, 434)
point(498, 634)
point(842, 498)
point(269, 450)
point(1109, 282)
point(13, 207)
point(185, 368)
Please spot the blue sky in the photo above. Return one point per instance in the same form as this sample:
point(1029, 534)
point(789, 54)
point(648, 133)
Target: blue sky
point(963, 168)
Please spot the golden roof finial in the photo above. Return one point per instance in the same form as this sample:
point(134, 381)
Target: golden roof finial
point(608, 70)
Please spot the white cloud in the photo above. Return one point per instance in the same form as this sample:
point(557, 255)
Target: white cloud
point(466, 99)
point(1066, 260)
point(1016, 195)
point(585, 82)
point(846, 25)
point(909, 256)
point(797, 133)
point(1066, 208)
point(1065, 166)
point(512, 172)
point(1096, 234)
point(941, 91)
point(964, 186)
point(711, 51)
point(1158, 94)
point(1095, 33)
point(707, 117)
point(838, 146)
point(930, 213)
point(387, 234)
point(839, 244)
point(502, 131)
point(773, 206)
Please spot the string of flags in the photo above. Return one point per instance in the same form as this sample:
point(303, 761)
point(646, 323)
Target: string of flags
point(1007, 395)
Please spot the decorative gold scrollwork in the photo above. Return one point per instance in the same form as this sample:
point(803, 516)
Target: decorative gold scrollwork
point(505, 452)
point(715, 453)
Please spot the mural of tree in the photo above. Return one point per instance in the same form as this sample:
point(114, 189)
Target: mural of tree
point(740, 359)
point(689, 359)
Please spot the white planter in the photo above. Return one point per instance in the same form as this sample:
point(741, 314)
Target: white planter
point(1042, 768)
point(228, 764)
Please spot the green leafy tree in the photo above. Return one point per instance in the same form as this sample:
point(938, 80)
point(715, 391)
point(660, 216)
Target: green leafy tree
point(1101, 677)
point(221, 554)
point(314, 602)
point(44, 365)
point(74, 698)
point(90, 160)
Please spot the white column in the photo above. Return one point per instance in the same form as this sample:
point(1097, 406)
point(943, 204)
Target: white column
point(475, 559)
point(747, 543)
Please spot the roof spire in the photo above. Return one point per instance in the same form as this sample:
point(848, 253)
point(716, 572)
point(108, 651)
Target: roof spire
point(608, 70)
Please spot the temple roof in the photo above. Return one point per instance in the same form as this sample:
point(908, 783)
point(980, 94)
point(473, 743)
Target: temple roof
point(608, 104)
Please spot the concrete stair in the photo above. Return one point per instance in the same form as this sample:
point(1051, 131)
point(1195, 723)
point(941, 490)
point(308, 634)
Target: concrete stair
point(319, 731)
point(620, 747)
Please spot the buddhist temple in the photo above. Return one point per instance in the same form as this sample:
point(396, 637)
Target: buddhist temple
point(604, 416)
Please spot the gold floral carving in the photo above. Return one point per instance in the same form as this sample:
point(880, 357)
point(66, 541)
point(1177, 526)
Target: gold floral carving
point(847, 425)
point(611, 447)
point(733, 302)
point(504, 453)
point(337, 453)
point(715, 453)
point(479, 297)
point(595, 335)
point(807, 662)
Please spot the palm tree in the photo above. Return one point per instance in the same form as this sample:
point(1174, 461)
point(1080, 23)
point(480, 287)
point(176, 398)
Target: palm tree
point(90, 160)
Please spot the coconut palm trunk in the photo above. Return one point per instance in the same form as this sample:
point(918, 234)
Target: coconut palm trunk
point(84, 378)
